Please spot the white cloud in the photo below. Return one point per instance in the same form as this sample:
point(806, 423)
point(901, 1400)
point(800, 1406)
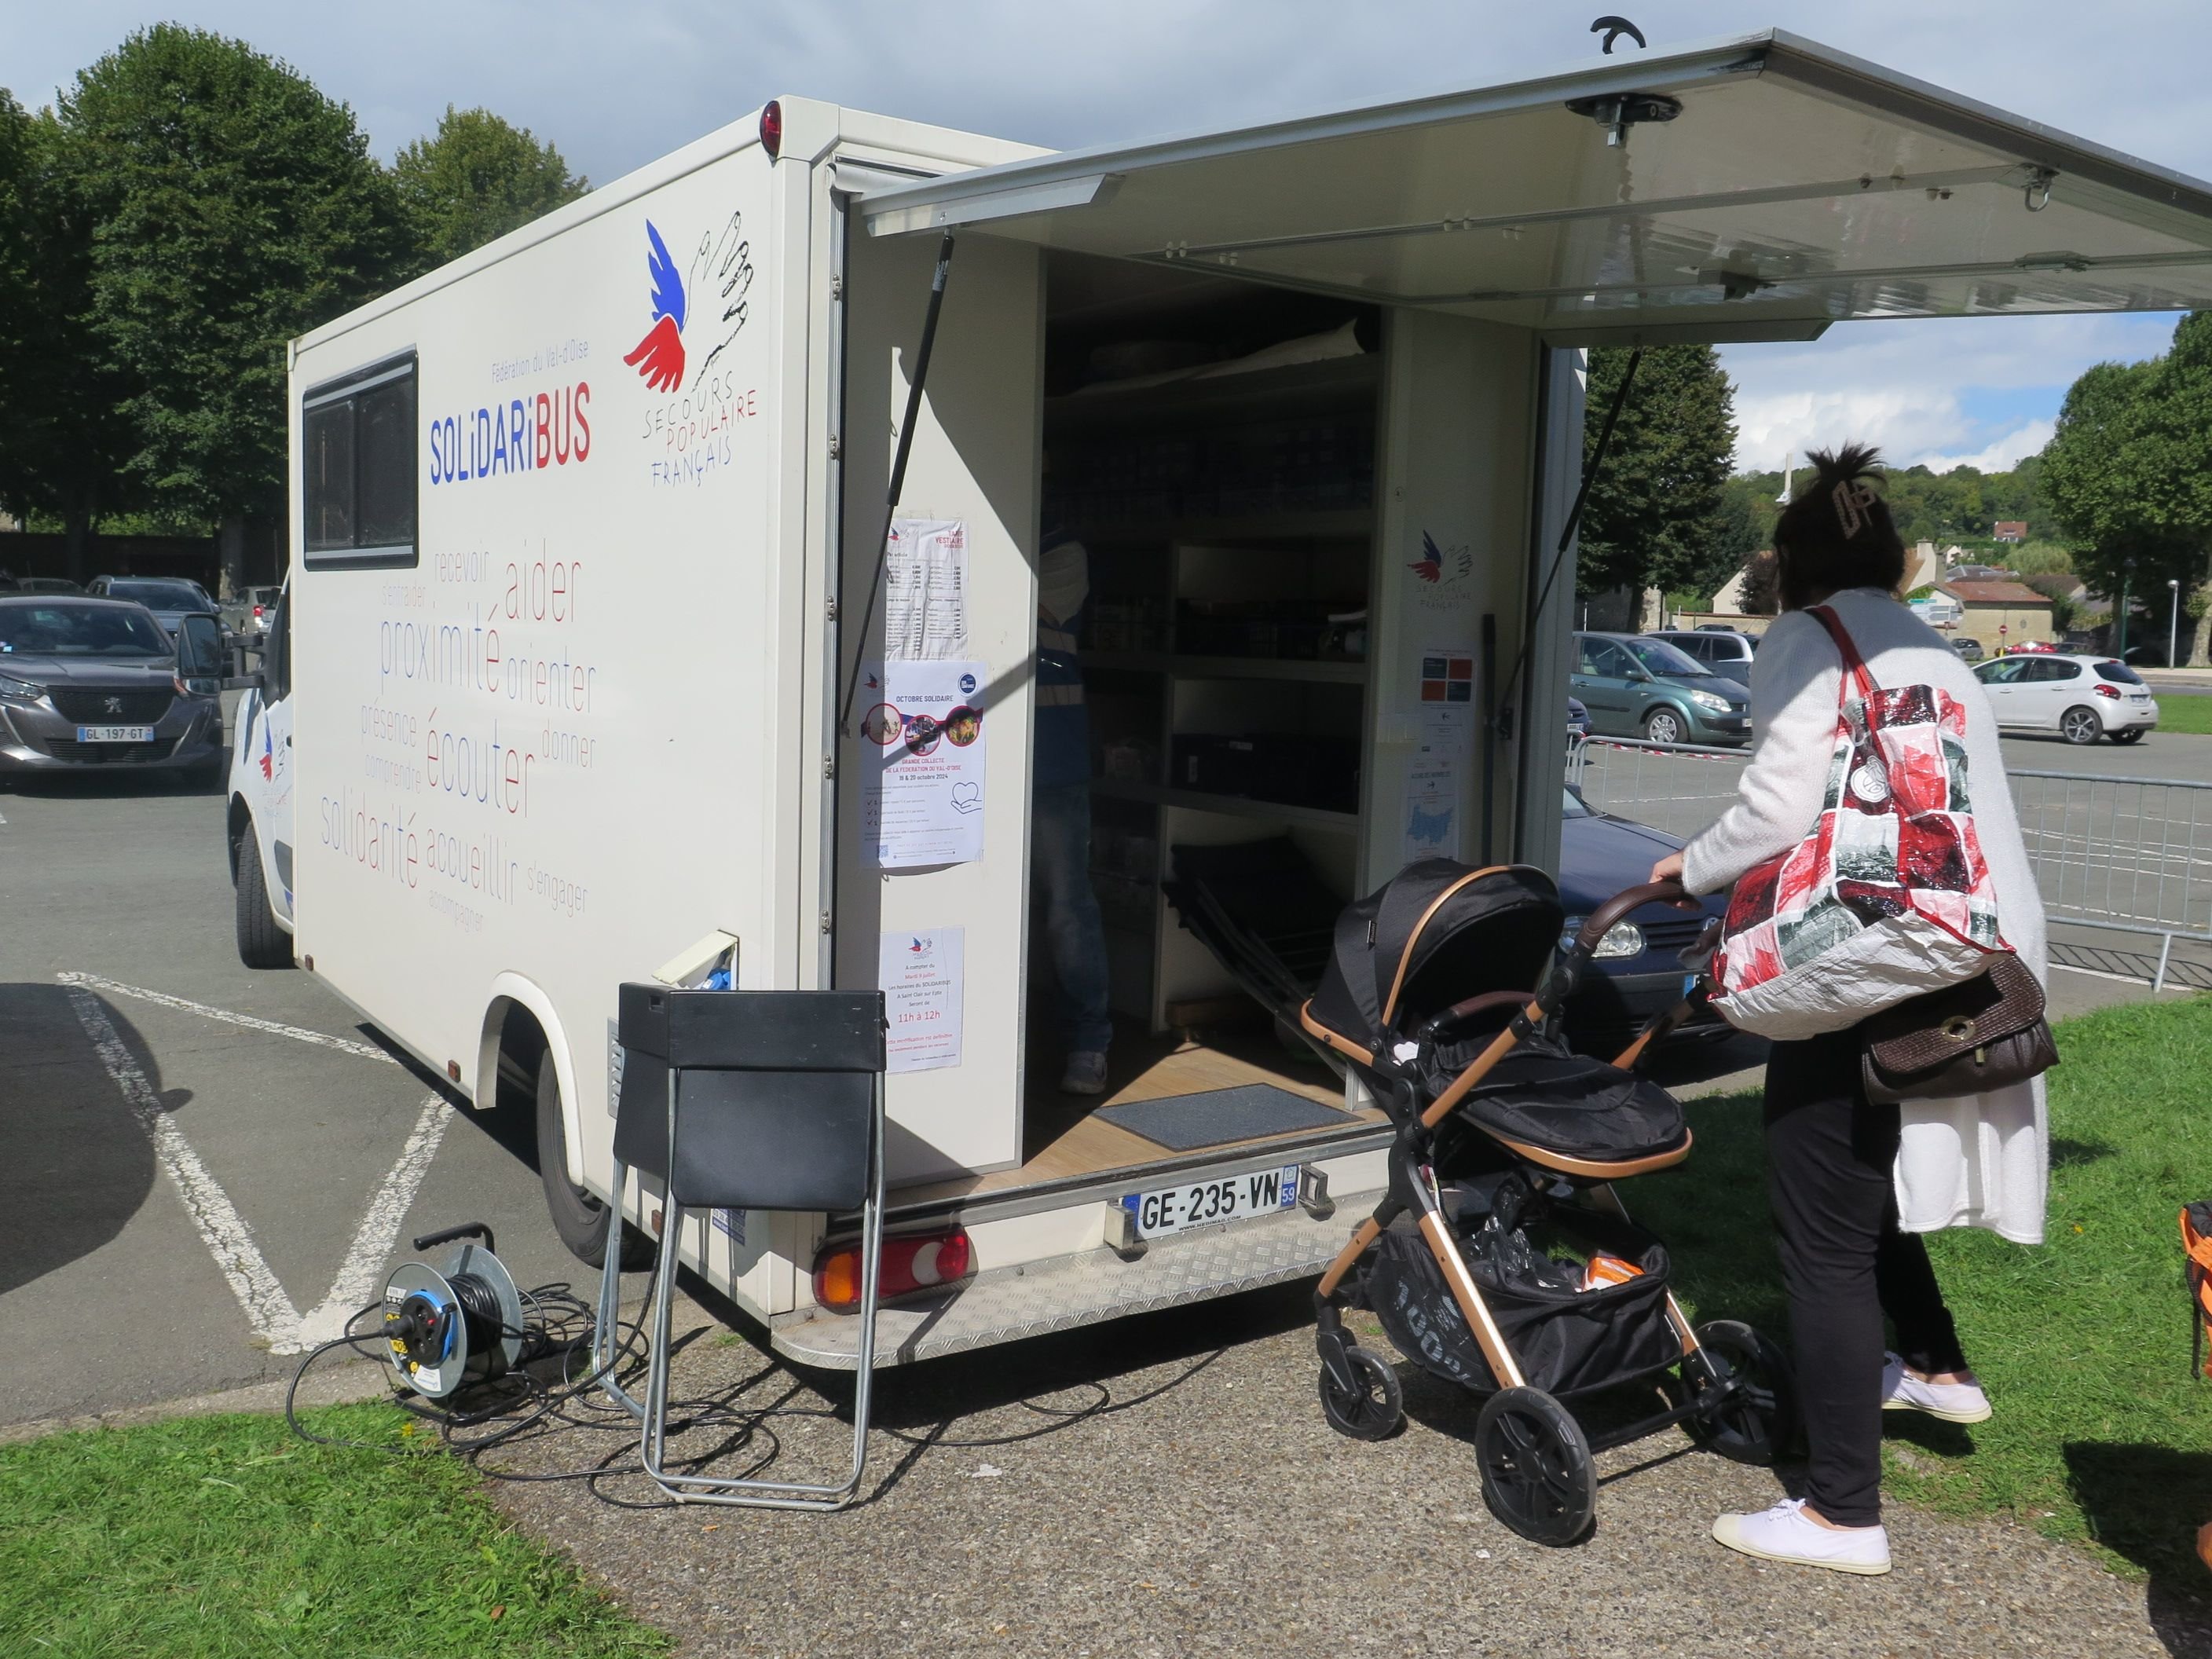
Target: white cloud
point(2002, 456)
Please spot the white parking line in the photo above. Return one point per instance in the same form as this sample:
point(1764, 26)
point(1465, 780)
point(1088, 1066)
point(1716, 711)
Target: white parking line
point(220, 1228)
point(268, 1309)
point(298, 1034)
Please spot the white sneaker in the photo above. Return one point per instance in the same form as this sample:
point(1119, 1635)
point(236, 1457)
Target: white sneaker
point(1085, 1074)
point(1953, 1402)
point(1783, 1533)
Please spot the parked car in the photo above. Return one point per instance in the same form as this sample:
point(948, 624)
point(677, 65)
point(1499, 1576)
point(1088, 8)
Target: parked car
point(171, 599)
point(2081, 698)
point(49, 584)
point(248, 615)
point(1578, 719)
point(1636, 687)
point(1723, 651)
point(1636, 973)
point(1969, 650)
point(99, 682)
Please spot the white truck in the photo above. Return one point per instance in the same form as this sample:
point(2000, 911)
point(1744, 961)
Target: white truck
point(586, 535)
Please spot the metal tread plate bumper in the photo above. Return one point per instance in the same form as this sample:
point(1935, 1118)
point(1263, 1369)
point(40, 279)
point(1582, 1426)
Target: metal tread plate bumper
point(1004, 1304)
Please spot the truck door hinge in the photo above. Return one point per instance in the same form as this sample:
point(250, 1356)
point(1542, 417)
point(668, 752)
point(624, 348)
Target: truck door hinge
point(836, 288)
point(825, 921)
point(830, 766)
point(831, 608)
point(836, 447)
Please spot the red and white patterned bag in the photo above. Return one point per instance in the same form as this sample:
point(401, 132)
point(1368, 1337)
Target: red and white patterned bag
point(1889, 897)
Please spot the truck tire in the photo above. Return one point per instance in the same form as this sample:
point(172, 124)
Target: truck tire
point(579, 1219)
point(261, 942)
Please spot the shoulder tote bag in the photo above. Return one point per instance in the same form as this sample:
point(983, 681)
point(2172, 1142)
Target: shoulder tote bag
point(1889, 897)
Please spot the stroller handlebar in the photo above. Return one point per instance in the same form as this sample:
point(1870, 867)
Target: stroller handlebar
point(1608, 915)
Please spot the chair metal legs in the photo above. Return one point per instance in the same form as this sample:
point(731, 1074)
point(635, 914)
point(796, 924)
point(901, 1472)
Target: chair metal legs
point(757, 1493)
point(606, 1328)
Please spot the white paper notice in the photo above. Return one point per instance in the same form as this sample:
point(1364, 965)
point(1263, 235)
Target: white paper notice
point(922, 975)
point(921, 759)
point(1432, 807)
point(1445, 696)
point(925, 590)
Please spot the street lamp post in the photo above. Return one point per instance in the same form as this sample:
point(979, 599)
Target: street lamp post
point(2173, 620)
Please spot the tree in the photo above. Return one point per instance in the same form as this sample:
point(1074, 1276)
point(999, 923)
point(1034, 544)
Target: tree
point(1655, 517)
point(236, 207)
point(478, 179)
point(60, 391)
point(2128, 474)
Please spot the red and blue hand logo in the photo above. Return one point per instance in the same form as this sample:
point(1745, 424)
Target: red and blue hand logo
point(1430, 567)
point(268, 753)
point(659, 355)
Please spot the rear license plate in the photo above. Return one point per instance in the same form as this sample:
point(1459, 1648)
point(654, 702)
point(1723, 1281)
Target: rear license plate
point(1220, 1198)
point(115, 734)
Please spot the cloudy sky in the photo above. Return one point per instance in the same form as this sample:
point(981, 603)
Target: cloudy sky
point(615, 85)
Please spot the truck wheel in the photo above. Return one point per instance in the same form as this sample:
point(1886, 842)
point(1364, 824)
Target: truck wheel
point(579, 1219)
point(261, 942)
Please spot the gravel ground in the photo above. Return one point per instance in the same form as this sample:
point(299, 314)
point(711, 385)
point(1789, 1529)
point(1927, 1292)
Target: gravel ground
point(1167, 1487)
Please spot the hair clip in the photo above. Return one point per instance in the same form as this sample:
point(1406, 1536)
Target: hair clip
point(1853, 497)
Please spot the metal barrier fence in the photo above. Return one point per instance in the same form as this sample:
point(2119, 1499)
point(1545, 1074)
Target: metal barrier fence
point(2123, 855)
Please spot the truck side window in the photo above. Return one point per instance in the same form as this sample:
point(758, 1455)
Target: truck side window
point(358, 481)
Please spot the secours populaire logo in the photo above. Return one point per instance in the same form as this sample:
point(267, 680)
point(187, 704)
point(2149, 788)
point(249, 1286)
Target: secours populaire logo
point(1442, 574)
point(698, 311)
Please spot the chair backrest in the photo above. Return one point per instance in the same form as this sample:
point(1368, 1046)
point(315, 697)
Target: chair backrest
point(776, 1094)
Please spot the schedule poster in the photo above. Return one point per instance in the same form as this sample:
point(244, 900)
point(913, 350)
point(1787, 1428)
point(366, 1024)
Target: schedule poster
point(921, 975)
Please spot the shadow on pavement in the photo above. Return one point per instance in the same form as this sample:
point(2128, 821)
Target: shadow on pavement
point(2146, 1502)
point(75, 1162)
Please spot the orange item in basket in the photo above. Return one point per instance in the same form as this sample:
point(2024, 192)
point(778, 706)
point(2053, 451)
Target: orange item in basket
point(1604, 1269)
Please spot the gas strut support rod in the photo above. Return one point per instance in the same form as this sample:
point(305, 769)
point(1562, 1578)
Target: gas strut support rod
point(914, 383)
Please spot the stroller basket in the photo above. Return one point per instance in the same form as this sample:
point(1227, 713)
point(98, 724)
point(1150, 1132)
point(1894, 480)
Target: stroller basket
point(1568, 1342)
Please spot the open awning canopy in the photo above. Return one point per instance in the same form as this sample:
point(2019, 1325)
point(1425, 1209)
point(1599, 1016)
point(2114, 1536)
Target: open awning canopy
point(1758, 188)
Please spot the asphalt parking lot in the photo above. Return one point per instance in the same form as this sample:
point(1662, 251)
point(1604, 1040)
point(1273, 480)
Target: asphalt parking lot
point(207, 1168)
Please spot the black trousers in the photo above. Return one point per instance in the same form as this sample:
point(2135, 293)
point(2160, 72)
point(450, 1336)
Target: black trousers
point(1830, 1155)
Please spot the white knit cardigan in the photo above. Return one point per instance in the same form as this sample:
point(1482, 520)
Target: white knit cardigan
point(1982, 1161)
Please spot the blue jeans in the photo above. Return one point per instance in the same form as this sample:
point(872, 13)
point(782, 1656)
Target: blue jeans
point(1060, 866)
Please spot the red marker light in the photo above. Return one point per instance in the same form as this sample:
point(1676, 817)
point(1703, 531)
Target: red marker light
point(912, 1262)
point(772, 128)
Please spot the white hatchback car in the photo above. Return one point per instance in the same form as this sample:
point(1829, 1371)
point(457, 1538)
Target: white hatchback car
point(2081, 698)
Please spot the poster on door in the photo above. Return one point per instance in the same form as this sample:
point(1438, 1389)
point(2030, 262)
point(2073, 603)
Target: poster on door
point(922, 764)
point(1444, 698)
point(1432, 820)
point(922, 977)
point(925, 590)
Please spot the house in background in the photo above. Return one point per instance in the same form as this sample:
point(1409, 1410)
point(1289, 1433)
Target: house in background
point(2009, 530)
point(2000, 612)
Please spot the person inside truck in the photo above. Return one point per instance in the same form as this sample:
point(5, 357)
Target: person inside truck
point(1060, 817)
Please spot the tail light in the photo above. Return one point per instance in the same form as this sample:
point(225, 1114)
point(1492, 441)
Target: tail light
point(256, 613)
point(771, 129)
point(2106, 691)
point(911, 1262)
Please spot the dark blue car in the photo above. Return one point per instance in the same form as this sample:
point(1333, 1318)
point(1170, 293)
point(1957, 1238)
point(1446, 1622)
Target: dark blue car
point(1643, 976)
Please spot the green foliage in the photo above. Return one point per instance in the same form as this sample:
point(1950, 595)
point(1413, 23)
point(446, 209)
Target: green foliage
point(2038, 559)
point(2100, 1431)
point(1657, 515)
point(478, 180)
point(2129, 472)
point(1962, 506)
point(227, 1538)
point(235, 207)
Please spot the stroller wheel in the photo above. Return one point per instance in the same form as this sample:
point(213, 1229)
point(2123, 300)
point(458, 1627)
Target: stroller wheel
point(1372, 1411)
point(1537, 1474)
point(1759, 1422)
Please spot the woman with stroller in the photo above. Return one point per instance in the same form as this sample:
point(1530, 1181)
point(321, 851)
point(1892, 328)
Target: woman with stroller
point(1853, 1185)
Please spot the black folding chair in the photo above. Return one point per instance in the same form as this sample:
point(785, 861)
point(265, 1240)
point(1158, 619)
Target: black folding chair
point(746, 1100)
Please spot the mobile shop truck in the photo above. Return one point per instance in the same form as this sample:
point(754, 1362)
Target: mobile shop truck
point(582, 673)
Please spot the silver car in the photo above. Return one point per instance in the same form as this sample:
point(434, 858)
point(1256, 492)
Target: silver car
point(87, 682)
point(171, 599)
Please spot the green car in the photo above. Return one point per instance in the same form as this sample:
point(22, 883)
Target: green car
point(1638, 687)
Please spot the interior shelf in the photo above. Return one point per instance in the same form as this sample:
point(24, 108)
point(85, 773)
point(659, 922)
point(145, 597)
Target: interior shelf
point(1322, 524)
point(1217, 399)
point(1240, 806)
point(1229, 668)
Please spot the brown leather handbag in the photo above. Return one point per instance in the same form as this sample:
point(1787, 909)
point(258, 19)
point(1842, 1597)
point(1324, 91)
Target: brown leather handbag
point(1984, 1033)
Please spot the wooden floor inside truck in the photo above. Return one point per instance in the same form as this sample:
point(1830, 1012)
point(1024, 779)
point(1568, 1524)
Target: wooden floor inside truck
point(1070, 1140)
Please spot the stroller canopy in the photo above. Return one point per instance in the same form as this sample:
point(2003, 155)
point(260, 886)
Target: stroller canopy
point(1435, 934)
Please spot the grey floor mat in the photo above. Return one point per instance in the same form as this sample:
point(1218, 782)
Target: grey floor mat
point(1183, 1123)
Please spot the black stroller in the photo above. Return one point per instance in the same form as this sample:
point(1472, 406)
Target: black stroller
point(1507, 1142)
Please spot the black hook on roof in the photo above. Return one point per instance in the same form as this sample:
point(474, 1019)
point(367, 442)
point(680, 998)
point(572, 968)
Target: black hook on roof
point(1613, 28)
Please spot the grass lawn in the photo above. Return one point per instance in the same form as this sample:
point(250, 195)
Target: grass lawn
point(2180, 712)
point(211, 1537)
point(2082, 1342)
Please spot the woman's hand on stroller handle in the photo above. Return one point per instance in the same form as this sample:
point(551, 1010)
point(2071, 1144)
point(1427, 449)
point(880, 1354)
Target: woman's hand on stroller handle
point(1668, 868)
point(1660, 890)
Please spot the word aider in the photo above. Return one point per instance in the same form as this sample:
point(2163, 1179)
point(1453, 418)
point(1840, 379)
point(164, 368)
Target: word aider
point(1224, 1198)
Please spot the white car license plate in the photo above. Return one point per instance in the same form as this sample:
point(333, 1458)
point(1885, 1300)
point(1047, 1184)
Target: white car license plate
point(1217, 1198)
point(115, 734)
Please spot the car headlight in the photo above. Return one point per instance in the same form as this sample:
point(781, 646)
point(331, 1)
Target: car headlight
point(1626, 939)
point(15, 690)
point(1711, 700)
